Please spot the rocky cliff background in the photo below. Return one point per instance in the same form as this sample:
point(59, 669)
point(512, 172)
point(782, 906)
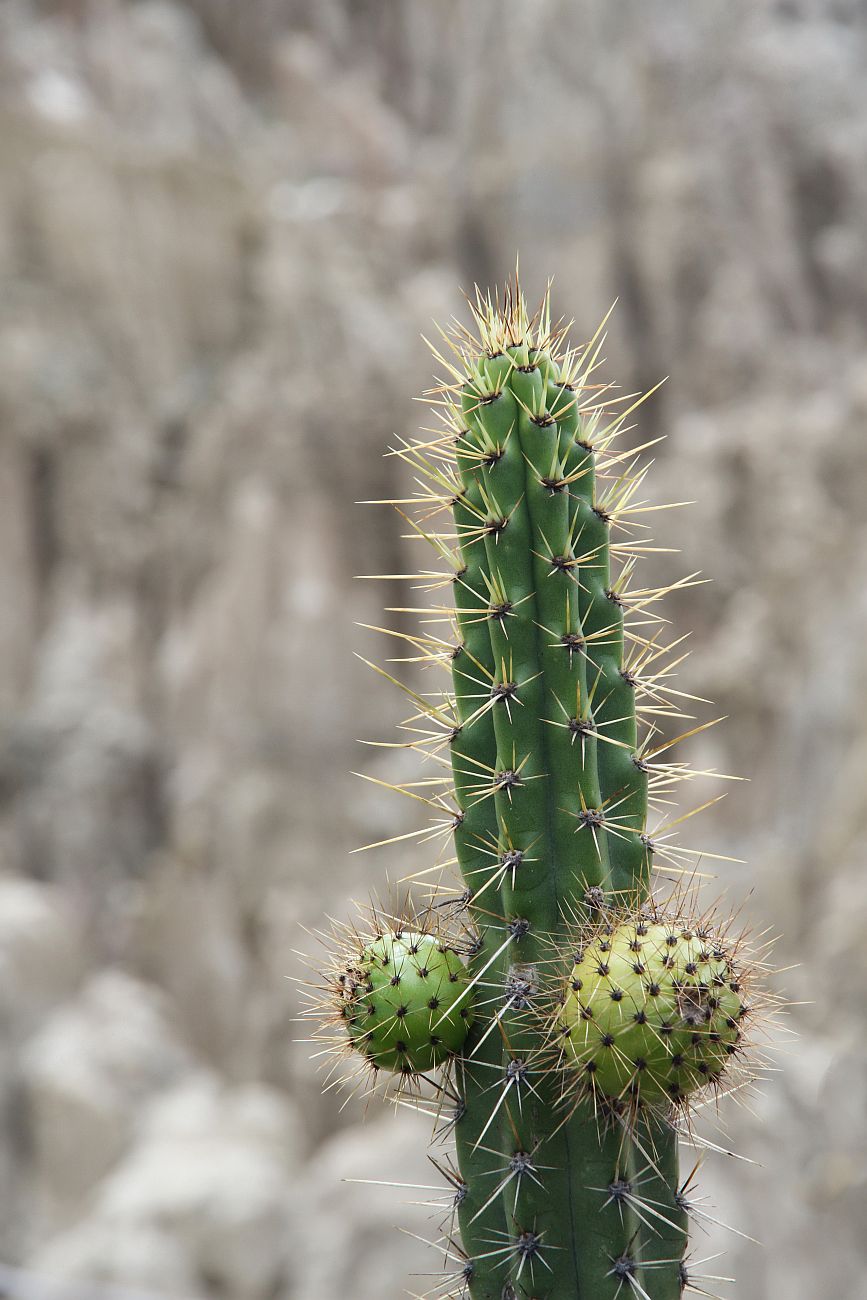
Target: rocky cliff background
point(223, 228)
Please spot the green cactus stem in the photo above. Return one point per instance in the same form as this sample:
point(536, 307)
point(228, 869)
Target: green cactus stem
point(582, 1017)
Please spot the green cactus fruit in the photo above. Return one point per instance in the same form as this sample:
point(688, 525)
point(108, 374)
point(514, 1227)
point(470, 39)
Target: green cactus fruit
point(405, 1002)
point(652, 1011)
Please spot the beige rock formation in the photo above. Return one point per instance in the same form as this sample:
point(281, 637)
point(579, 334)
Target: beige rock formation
point(223, 228)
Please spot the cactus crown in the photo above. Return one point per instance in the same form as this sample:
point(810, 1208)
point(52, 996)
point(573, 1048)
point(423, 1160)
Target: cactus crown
point(585, 1016)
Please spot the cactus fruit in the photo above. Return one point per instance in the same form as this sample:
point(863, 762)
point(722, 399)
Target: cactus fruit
point(565, 1076)
point(652, 1011)
point(405, 1001)
point(396, 992)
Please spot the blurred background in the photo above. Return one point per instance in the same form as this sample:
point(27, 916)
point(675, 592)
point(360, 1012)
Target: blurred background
point(223, 228)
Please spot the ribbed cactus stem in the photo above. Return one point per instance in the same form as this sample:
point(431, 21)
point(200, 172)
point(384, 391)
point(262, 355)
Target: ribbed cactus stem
point(622, 776)
point(481, 1215)
point(516, 509)
point(654, 1174)
point(586, 1015)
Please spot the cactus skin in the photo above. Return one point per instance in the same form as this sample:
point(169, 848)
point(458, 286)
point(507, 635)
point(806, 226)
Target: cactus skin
point(564, 1117)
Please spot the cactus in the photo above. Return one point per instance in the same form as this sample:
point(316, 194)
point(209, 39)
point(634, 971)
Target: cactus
point(585, 1015)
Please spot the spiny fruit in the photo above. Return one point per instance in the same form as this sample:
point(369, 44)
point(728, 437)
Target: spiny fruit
point(405, 1001)
point(652, 1009)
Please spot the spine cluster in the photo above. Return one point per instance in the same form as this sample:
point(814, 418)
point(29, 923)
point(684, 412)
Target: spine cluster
point(583, 1016)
